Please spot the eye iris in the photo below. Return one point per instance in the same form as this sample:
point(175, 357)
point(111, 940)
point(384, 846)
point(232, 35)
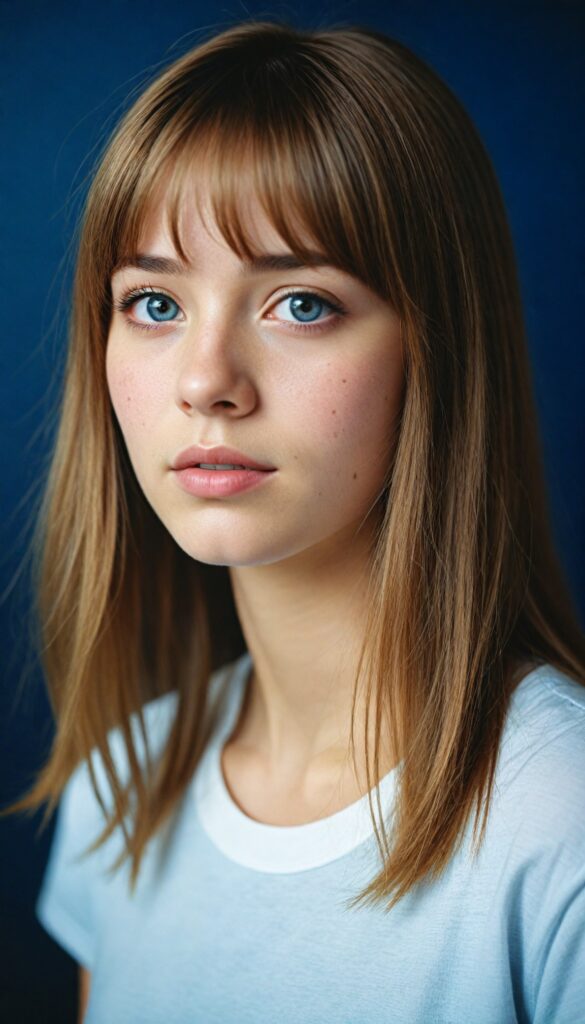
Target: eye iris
point(299, 302)
point(159, 304)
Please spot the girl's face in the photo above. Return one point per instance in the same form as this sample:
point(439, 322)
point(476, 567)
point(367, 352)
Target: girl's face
point(309, 384)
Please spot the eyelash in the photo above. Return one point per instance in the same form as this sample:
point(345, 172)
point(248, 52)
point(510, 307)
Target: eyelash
point(130, 297)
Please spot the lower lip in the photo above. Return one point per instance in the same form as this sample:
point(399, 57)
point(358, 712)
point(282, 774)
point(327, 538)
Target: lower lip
point(219, 483)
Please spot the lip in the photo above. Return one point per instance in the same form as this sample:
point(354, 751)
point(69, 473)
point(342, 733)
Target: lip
point(217, 483)
point(217, 455)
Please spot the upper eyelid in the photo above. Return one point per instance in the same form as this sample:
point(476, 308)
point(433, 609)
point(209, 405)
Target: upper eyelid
point(140, 291)
point(163, 289)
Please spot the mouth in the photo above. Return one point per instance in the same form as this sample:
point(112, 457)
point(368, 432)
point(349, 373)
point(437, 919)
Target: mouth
point(218, 458)
point(221, 481)
point(206, 467)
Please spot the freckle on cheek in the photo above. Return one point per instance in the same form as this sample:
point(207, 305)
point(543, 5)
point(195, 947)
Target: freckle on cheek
point(333, 411)
point(355, 476)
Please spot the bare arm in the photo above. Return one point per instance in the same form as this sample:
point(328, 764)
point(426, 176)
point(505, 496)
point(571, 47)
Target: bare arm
point(84, 983)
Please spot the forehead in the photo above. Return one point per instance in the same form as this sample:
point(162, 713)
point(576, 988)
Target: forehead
point(198, 210)
point(197, 223)
point(201, 239)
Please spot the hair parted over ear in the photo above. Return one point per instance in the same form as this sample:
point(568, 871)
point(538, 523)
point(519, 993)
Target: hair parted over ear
point(352, 143)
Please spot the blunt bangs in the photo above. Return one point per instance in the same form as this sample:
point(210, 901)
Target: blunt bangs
point(312, 186)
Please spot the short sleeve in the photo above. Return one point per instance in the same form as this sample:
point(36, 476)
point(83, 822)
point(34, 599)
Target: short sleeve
point(560, 994)
point(71, 893)
point(65, 904)
point(70, 904)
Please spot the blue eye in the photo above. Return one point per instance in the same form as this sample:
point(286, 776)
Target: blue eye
point(306, 307)
point(160, 307)
point(299, 303)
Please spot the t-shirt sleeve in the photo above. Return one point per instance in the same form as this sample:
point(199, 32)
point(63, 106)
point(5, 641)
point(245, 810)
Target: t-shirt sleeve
point(71, 893)
point(561, 976)
point(555, 918)
point(64, 905)
point(70, 899)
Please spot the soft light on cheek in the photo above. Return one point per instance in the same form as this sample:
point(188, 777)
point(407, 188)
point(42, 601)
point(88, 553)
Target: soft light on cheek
point(122, 388)
point(319, 410)
point(127, 393)
point(348, 405)
point(135, 392)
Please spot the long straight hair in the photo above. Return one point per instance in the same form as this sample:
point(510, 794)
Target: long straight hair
point(346, 134)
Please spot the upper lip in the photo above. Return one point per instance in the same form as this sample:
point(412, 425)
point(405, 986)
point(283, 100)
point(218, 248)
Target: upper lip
point(215, 456)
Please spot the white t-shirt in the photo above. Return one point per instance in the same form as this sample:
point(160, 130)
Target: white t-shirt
point(244, 923)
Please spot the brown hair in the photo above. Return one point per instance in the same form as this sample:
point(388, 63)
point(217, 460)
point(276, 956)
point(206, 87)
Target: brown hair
point(347, 134)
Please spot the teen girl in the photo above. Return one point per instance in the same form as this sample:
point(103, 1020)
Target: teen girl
point(318, 684)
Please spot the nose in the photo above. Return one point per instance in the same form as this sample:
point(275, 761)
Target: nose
point(215, 374)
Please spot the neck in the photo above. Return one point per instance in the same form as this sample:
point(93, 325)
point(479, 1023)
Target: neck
point(303, 621)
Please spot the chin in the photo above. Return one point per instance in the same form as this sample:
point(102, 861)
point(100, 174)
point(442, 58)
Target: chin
point(227, 551)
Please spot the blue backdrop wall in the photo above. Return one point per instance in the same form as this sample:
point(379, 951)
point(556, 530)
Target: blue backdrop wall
point(66, 72)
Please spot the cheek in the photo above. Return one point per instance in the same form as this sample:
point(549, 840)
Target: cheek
point(353, 406)
point(133, 393)
point(352, 409)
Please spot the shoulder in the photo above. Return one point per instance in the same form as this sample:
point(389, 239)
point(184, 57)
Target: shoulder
point(538, 837)
point(546, 721)
point(540, 781)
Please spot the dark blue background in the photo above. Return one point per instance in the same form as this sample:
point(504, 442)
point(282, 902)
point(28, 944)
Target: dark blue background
point(66, 74)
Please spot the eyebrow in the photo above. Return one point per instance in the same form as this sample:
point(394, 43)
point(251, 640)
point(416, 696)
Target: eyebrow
point(266, 261)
